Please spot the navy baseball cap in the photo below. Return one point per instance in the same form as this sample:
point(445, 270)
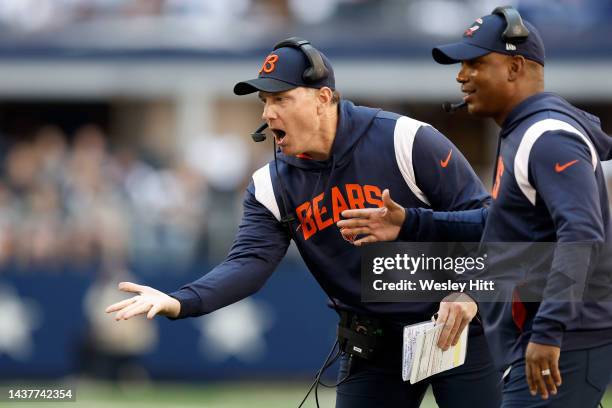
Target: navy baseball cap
point(283, 70)
point(485, 36)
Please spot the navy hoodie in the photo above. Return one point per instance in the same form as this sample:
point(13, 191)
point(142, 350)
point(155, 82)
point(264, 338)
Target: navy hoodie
point(372, 150)
point(549, 187)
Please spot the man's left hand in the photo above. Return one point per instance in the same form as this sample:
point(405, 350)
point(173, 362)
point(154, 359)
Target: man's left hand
point(542, 369)
point(456, 311)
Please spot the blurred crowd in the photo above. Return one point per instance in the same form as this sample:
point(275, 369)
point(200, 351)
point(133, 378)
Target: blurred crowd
point(80, 202)
point(49, 15)
point(34, 15)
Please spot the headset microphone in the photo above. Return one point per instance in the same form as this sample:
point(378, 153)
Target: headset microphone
point(452, 107)
point(258, 135)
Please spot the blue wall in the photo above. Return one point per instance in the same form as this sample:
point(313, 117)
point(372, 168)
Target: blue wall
point(300, 328)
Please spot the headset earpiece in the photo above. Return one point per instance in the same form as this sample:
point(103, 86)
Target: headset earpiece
point(317, 70)
point(515, 32)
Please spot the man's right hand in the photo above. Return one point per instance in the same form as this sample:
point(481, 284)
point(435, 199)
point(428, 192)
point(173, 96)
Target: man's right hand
point(148, 300)
point(373, 224)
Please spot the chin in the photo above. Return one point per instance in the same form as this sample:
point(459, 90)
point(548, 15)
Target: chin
point(288, 151)
point(474, 110)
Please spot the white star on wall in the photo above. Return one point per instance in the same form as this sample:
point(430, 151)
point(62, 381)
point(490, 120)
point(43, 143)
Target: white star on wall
point(236, 331)
point(18, 319)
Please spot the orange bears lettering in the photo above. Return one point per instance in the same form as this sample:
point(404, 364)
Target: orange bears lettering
point(319, 212)
point(314, 216)
point(355, 196)
point(371, 192)
point(338, 203)
point(307, 224)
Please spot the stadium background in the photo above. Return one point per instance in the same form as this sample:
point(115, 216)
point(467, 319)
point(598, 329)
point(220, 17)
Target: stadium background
point(125, 154)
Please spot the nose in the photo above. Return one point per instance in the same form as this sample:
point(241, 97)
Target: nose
point(462, 74)
point(268, 112)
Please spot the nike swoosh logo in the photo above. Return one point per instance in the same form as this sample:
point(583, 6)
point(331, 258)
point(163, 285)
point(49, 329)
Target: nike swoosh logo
point(559, 168)
point(445, 162)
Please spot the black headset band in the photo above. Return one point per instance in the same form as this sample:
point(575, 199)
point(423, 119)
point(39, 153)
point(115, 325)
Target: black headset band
point(317, 70)
point(516, 32)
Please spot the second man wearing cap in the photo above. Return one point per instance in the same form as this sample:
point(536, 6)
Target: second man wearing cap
point(554, 342)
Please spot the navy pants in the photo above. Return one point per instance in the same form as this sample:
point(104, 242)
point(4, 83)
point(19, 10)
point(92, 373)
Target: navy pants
point(585, 375)
point(475, 384)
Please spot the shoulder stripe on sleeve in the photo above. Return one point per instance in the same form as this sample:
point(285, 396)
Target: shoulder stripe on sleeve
point(521, 161)
point(264, 193)
point(403, 139)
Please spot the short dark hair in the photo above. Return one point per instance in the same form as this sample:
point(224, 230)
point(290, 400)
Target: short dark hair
point(336, 96)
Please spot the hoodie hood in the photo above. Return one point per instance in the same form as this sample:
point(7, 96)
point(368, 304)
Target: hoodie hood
point(547, 101)
point(353, 123)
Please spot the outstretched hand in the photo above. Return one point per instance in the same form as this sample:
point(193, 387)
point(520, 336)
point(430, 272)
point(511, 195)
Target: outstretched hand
point(148, 301)
point(373, 224)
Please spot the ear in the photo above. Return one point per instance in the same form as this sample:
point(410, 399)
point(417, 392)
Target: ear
point(516, 67)
point(324, 96)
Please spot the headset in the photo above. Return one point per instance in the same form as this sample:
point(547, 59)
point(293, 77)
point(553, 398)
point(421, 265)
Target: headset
point(316, 71)
point(515, 33)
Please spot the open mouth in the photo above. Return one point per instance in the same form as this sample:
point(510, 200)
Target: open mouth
point(279, 134)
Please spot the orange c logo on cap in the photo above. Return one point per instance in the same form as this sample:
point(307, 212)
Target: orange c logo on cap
point(269, 64)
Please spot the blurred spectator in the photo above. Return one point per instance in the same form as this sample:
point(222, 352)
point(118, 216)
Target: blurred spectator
point(83, 205)
point(22, 168)
point(93, 207)
point(225, 163)
point(51, 150)
point(8, 217)
point(39, 237)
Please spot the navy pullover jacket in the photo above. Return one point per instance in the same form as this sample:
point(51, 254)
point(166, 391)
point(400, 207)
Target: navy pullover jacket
point(549, 187)
point(373, 150)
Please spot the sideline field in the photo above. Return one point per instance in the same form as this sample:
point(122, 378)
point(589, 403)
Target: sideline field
point(217, 395)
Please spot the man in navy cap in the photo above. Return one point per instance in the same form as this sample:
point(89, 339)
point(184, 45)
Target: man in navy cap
point(549, 187)
point(333, 156)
